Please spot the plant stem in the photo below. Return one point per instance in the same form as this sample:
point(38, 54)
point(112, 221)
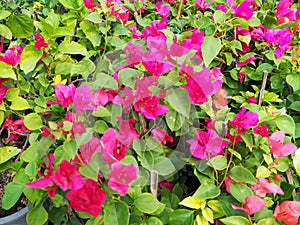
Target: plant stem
point(249, 218)
point(263, 86)
point(179, 9)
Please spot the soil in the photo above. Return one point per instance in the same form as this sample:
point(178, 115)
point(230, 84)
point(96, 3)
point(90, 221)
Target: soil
point(5, 178)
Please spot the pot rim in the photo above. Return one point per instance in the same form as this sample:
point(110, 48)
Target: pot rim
point(14, 217)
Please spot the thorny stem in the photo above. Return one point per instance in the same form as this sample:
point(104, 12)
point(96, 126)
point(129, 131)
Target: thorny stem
point(263, 86)
point(143, 123)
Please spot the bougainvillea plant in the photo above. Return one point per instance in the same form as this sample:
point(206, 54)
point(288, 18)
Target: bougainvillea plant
point(143, 112)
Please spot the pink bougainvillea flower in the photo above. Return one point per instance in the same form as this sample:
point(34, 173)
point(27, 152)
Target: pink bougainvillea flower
point(3, 89)
point(262, 130)
point(12, 55)
point(195, 41)
point(245, 9)
point(150, 107)
point(228, 180)
point(78, 127)
point(133, 53)
point(83, 98)
point(89, 198)
point(47, 178)
point(283, 11)
point(64, 95)
point(112, 148)
point(39, 41)
point(166, 184)
point(127, 131)
point(67, 176)
point(206, 144)
point(242, 76)
point(252, 205)
point(288, 212)
point(221, 7)
point(265, 187)
point(121, 176)
point(89, 4)
point(244, 120)
point(245, 62)
point(278, 148)
point(88, 149)
point(252, 100)
point(142, 87)
point(15, 127)
point(161, 135)
point(164, 11)
point(201, 4)
point(102, 96)
point(125, 98)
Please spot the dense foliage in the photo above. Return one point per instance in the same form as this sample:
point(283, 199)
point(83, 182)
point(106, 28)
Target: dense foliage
point(141, 112)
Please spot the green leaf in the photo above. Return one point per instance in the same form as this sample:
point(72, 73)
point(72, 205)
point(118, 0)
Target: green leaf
point(254, 22)
point(248, 139)
point(72, 48)
point(179, 100)
point(208, 214)
point(241, 174)
point(181, 217)
point(147, 203)
point(33, 121)
point(94, 17)
point(12, 194)
point(210, 49)
point(270, 22)
point(127, 76)
point(220, 16)
point(105, 81)
point(206, 191)
point(219, 162)
point(4, 14)
point(191, 202)
point(286, 123)
point(37, 216)
point(234, 220)
point(294, 81)
point(295, 106)
point(85, 67)
point(116, 213)
point(240, 191)
point(6, 71)
point(70, 147)
point(7, 152)
point(1, 118)
point(71, 4)
point(152, 221)
point(163, 166)
point(267, 221)
point(258, 74)
point(283, 164)
point(262, 172)
point(91, 33)
point(5, 31)
point(174, 120)
point(19, 103)
point(29, 58)
point(20, 25)
point(200, 220)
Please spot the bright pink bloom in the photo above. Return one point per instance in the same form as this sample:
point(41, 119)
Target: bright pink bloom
point(12, 55)
point(88, 149)
point(288, 212)
point(112, 148)
point(133, 53)
point(244, 120)
point(206, 144)
point(47, 179)
point(194, 41)
point(127, 131)
point(78, 127)
point(278, 148)
point(245, 62)
point(150, 107)
point(166, 184)
point(283, 11)
point(15, 127)
point(154, 64)
point(252, 205)
point(125, 98)
point(262, 130)
point(89, 4)
point(161, 135)
point(242, 76)
point(221, 7)
point(177, 50)
point(64, 95)
point(252, 100)
point(88, 198)
point(39, 41)
point(164, 11)
point(46, 131)
point(265, 187)
point(67, 176)
point(3, 89)
point(82, 99)
point(201, 4)
point(121, 176)
point(102, 96)
point(244, 10)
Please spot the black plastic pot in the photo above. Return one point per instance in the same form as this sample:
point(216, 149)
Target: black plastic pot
point(18, 218)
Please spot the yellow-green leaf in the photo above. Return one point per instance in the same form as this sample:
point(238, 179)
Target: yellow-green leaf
point(208, 214)
point(201, 220)
point(262, 172)
point(191, 202)
point(7, 152)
